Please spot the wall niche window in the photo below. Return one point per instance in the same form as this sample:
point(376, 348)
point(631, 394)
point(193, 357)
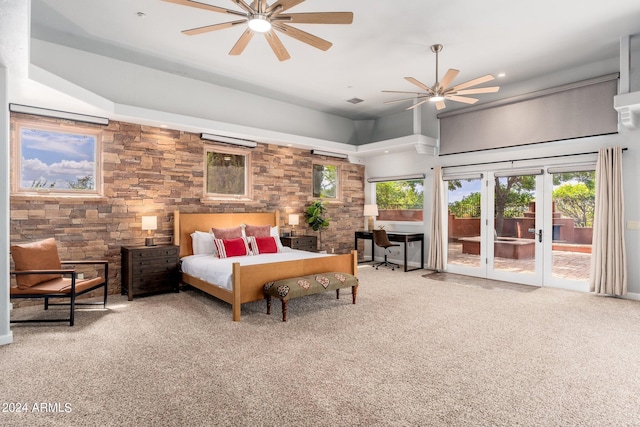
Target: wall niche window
point(227, 174)
point(326, 181)
point(56, 160)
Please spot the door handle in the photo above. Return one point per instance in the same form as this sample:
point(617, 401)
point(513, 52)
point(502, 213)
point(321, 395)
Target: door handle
point(539, 233)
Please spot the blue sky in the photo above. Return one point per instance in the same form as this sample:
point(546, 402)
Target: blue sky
point(467, 188)
point(56, 157)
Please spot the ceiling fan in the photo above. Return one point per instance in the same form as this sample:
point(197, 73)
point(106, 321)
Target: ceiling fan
point(260, 17)
point(441, 90)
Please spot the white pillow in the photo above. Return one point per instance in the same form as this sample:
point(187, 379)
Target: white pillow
point(276, 235)
point(202, 243)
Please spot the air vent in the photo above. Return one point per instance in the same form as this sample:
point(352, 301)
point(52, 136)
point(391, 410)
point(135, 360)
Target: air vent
point(355, 100)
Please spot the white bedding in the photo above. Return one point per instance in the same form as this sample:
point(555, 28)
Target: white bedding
point(218, 270)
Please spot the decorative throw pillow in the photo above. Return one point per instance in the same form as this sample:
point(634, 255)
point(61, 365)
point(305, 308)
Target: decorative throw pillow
point(275, 233)
point(232, 247)
point(227, 233)
point(263, 245)
point(257, 230)
point(41, 255)
point(202, 243)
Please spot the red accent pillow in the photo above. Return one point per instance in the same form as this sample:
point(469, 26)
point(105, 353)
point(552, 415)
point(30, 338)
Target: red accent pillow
point(263, 245)
point(257, 230)
point(227, 233)
point(232, 247)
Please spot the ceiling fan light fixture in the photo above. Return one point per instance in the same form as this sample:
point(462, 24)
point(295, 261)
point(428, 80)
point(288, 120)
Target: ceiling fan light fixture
point(259, 23)
point(436, 98)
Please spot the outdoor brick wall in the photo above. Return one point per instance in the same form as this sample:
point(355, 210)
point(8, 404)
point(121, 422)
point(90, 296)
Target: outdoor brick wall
point(154, 171)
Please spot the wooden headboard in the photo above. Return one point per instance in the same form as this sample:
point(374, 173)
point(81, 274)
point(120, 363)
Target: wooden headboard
point(186, 223)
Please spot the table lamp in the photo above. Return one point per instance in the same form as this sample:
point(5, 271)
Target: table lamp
point(149, 223)
point(370, 211)
point(294, 219)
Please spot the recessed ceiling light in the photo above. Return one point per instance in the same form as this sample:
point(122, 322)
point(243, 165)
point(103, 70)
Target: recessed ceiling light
point(164, 126)
point(355, 100)
point(141, 14)
point(386, 151)
point(502, 75)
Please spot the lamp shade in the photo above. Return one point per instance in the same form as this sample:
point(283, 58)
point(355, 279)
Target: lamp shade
point(370, 210)
point(294, 219)
point(149, 223)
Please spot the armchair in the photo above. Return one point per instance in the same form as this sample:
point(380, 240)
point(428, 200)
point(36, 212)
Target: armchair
point(39, 273)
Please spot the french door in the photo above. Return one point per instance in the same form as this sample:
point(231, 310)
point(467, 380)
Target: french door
point(525, 226)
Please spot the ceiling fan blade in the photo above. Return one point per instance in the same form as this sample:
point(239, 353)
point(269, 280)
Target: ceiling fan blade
point(406, 99)
point(244, 6)
point(417, 104)
point(419, 84)
point(489, 89)
point(448, 78)
point(242, 42)
point(461, 99)
point(283, 4)
point(318, 18)
point(205, 6)
point(303, 36)
point(440, 105)
point(215, 27)
point(277, 46)
point(473, 82)
point(403, 91)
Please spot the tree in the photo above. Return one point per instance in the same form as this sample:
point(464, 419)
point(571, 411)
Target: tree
point(576, 201)
point(400, 194)
point(512, 190)
point(469, 206)
point(85, 183)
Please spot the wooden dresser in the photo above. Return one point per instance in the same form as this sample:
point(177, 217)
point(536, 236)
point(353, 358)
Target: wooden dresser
point(149, 269)
point(304, 243)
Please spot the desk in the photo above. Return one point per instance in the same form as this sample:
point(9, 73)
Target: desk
point(395, 236)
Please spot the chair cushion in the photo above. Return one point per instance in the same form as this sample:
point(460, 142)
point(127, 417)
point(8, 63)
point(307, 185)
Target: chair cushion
point(60, 285)
point(41, 255)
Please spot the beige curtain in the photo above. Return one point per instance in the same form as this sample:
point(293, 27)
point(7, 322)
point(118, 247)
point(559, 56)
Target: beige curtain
point(608, 256)
point(435, 260)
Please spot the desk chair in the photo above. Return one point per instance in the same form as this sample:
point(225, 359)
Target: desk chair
point(381, 239)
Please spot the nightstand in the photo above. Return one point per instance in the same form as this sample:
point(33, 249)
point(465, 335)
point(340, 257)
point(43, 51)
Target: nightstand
point(304, 243)
point(149, 270)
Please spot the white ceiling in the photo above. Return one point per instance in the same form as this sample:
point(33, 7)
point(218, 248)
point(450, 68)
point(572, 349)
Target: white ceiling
point(387, 41)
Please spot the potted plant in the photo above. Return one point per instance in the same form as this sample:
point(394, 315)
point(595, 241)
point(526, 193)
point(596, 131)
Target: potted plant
point(315, 216)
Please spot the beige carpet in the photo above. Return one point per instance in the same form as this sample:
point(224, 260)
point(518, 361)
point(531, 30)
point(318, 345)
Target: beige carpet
point(413, 351)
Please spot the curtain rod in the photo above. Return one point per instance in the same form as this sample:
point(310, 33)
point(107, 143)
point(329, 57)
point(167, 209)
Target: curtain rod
point(523, 160)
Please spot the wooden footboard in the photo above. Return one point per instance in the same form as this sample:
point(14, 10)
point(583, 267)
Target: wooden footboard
point(248, 280)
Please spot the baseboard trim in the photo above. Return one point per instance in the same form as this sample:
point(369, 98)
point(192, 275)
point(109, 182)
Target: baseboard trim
point(631, 295)
point(6, 339)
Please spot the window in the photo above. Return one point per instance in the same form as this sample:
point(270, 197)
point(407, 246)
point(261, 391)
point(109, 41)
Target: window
point(401, 200)
point(56, 160)
point(325, 181)
point(227, 173)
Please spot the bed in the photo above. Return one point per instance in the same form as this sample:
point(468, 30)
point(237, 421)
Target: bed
point(246, 281)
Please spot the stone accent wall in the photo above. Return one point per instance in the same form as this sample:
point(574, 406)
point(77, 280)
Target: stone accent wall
point(154, 171)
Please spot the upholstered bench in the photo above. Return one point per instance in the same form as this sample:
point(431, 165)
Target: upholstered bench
point(294, 287)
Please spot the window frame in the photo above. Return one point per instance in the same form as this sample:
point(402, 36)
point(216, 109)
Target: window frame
point(248, 187)
point(338, 167)
point(66, 128)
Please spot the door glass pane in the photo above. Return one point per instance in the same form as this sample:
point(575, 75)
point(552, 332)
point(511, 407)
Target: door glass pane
point(464, 222)
point(514, 224)
point(573, 203)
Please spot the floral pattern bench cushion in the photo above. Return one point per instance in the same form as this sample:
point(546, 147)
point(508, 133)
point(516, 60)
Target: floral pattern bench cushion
point(294, 287)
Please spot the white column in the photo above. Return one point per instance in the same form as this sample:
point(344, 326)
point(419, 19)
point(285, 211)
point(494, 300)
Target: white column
point(6, 336)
